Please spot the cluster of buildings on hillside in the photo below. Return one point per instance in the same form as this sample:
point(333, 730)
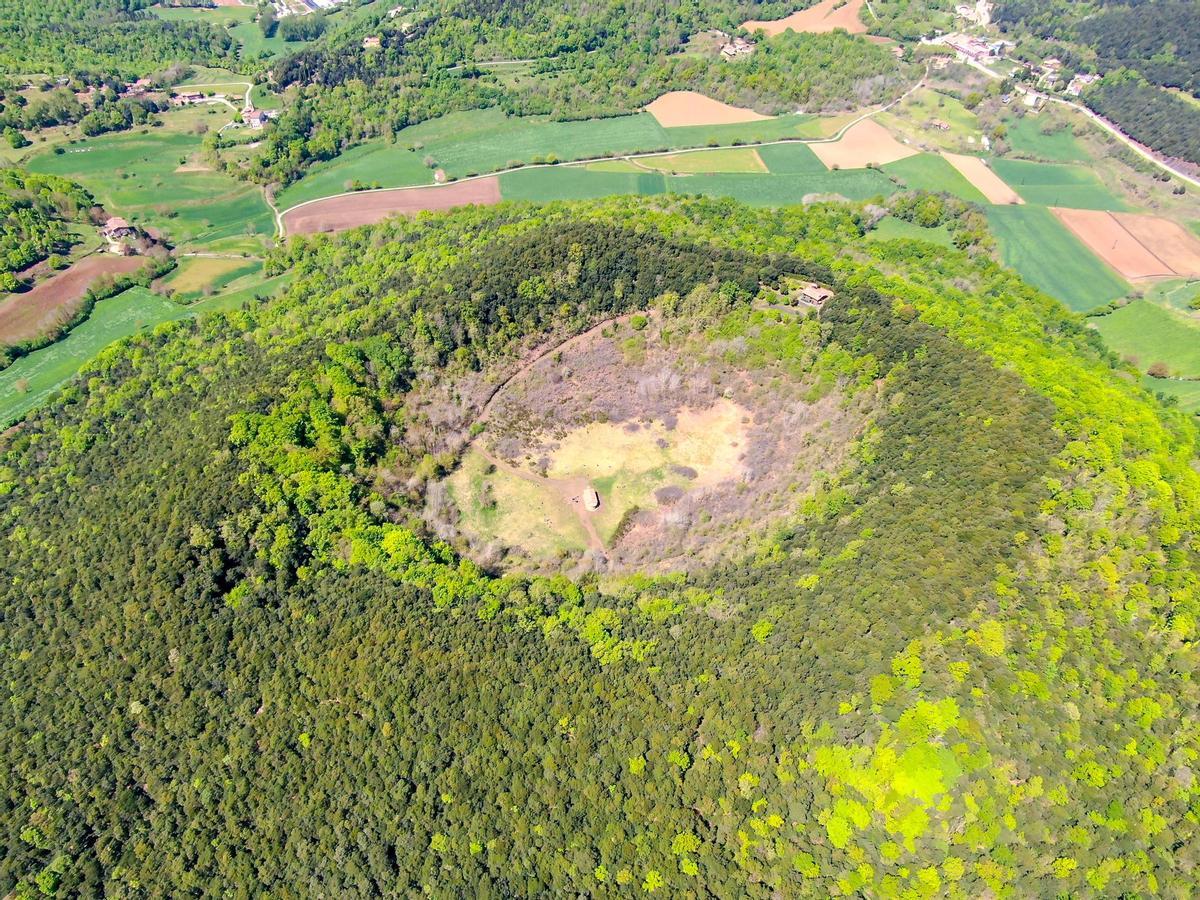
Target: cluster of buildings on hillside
point(967, 46)
point(255, 118)
point(302, 7)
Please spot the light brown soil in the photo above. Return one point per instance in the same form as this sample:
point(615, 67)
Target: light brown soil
point(988, 182)
point(679, 108)
point(816, 19)
point(1113, 243)
point(56, 300)
point(1170, 241)
point(366, 208)
point(863, 144)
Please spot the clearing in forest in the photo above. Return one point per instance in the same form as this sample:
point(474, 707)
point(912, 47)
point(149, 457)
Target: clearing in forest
point(366, 208)
point(827, 15)
point(687, 454)
point(682, 108)
point(864, 143)
point(1137, 246)
point(57, 299)
point(976, 171)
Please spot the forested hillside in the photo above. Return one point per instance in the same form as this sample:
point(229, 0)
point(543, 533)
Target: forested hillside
point(235, 656)
point(106, 36)
point(1141, 47)
point(33, 212)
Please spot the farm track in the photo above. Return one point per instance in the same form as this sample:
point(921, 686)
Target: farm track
point(281, 231)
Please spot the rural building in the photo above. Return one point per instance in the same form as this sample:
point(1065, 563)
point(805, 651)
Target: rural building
point(1034, 100)
point(739, 46)
point(187, 98)
point(116, 227)
point(257, 118)
point(1079, 82)
point(940, 125)
point(814, 295)
point(591, 500)
point(370, 42)
point(137, 88)
point(397, 10)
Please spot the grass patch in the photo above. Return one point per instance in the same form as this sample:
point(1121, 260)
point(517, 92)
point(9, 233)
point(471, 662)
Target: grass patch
point(1050, 184)
point(1034, 243)
point(576, 183)
point(930, 172)
point(744, 159)
point(219, 16)
point(890, 227)
point(196, 276)
point(791, 159)
point(1145, 334)
point(1025, 135)
point(1186, 393)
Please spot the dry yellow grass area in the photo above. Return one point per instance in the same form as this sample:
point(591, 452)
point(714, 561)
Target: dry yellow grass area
point(681, 108)
point(707, 440)
point(866, 143)
point(977, 172)
point(827, 15)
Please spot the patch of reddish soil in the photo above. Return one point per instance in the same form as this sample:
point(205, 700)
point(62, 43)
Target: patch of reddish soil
point(677, 109)
point(825, 16)
point(56, 300)
point(366, 208)
point(1112, 242)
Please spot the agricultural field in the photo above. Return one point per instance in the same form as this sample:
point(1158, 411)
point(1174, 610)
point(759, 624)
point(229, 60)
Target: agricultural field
point(826, 15)
point(220, 15)
point(784, 190)
point(791, 159)
point(1147, 334)
point(931, 172)
point(1057, 185)
point(1048, 256)
point(481, 141)
point(149, 176)
point(577, 183)
point(865, 143)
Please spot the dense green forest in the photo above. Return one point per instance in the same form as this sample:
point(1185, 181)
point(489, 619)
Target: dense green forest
point(105, 36)
point(1161, 121)
point(233, 653)
point(34, 210)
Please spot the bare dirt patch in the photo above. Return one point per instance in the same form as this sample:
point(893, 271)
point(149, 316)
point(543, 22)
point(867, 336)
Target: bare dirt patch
point(864, 143)
point(366, 208)
point(977, 172)
point(56, 300)
point(1169, 241)
point(825, 16)
point(691, 457)
point(1112, 242)
point(680, 108)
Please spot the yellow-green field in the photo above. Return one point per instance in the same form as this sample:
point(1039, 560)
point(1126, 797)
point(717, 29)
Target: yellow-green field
point(198, 275)
point(735, 159)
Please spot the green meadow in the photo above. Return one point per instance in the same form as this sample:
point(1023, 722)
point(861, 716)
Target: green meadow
point(143, 175)
point(577, 183)
point(889, 227)
point(1186, 393)
point(1025, 135)
point(791, 159)
point(1050, 184)
point(1049, 257)
point(931, 172)
point(1146, 333)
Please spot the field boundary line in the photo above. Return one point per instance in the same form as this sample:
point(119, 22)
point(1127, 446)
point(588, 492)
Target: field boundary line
point(281, 232)
point(1137, 240)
